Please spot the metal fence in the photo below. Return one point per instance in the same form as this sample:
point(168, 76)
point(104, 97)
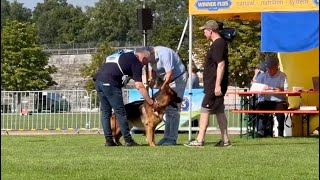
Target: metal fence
point(44, 110)
point(81, 48)
point(75, 110)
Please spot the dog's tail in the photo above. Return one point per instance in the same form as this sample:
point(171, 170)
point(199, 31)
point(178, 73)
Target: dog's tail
point(113, 123)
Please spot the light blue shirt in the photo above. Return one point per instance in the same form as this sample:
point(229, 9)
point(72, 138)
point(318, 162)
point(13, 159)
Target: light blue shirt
point(167, 60)
point(276, 81)
point(195, 84)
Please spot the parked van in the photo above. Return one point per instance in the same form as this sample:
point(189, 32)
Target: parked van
point(51, 102)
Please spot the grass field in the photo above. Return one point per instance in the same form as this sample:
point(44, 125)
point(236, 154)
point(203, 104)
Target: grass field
point(85, 157)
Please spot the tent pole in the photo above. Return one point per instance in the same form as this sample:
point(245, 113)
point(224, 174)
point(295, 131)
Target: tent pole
point(190, 73)
point(182, 35)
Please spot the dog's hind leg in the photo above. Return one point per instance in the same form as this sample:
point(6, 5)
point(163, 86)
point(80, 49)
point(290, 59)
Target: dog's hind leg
point(116, 132)
point(117, 136)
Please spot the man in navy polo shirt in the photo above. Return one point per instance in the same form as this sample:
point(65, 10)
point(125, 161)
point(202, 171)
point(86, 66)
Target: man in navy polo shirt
point(109, 82)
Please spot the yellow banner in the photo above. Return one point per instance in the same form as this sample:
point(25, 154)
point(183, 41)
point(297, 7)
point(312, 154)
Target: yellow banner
point(207, 7)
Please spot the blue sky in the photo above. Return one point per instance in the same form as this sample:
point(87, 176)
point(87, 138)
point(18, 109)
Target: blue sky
point(32, 3)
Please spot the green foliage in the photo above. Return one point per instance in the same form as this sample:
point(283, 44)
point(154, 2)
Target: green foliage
point(169, 19)
point(244, 55)
point(14, 11)
point(59, 22)
point(24, 66)
point(108, 22)
point(89, 70)
point(116, 21)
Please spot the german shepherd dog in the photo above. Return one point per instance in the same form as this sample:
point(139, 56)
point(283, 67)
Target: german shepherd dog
point(141, 114)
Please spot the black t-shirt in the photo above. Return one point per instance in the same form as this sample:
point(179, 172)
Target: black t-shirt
point(111, 74)
point(217, 52)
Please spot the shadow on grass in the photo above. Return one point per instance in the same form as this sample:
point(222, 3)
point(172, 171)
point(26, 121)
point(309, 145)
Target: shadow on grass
point(40, 140)
point(266, 144)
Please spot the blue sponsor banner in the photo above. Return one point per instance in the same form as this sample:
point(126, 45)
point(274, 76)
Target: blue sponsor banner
point(213, 5)
point(197, 97)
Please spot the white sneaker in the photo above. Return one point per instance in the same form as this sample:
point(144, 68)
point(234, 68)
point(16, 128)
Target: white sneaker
point(194, 143)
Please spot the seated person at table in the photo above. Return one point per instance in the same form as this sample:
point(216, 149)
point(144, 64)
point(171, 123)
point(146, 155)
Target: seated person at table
point(274, 80)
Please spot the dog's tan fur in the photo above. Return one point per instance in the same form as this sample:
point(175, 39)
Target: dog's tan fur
point(149, 117)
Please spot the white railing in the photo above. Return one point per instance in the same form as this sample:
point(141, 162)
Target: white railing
point(78, 110)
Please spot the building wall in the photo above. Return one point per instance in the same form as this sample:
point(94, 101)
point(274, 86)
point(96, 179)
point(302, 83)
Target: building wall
point(68, 73)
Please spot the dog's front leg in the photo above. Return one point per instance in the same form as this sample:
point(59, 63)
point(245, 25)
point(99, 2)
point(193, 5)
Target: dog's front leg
point(150, 134)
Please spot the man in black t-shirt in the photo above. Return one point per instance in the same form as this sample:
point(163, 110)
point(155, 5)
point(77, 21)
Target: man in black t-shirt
point(215, 83)
point(108, 83)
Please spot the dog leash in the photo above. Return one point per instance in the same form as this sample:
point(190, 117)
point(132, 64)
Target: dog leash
point(178, 76)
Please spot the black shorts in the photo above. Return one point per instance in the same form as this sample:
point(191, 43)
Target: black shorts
point(212, 104)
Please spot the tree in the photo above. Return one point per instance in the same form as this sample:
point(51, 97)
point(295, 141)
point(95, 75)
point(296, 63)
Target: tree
point(89, 70)
point(108, 22)
point(14, 11)
point(169, 19)
point(59, 22)
point(5, 11)
point(244, 50)
point(24, 66)
point(134, 35)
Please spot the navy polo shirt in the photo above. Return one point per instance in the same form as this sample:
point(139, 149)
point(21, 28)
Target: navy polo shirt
point(111, 74)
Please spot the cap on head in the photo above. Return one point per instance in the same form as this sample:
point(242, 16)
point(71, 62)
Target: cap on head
point(212, 24)
point(262, 66)
point(271, 62)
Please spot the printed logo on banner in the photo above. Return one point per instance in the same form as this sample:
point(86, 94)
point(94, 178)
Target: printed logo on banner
point(213, 5)
point(185, 104)
point(316, 2)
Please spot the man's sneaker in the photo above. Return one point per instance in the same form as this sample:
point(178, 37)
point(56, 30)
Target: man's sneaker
point(169, 143)
point(131, 143)
point(260, 133)
point(161, 141)
point(110, 143)
point(280, 134)
point(223, 144)
point(194, 143)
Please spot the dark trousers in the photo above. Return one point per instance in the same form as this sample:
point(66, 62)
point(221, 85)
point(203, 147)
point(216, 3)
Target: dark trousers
point(272, 105)
point(111, 98)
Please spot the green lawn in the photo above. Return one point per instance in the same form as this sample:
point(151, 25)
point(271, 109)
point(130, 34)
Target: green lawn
point(85, 157)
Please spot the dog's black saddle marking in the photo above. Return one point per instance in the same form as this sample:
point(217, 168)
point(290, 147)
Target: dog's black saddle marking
point(133, 109)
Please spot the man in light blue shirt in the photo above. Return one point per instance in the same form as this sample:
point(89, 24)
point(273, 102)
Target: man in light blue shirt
point(274, 81)
point(167, 65)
